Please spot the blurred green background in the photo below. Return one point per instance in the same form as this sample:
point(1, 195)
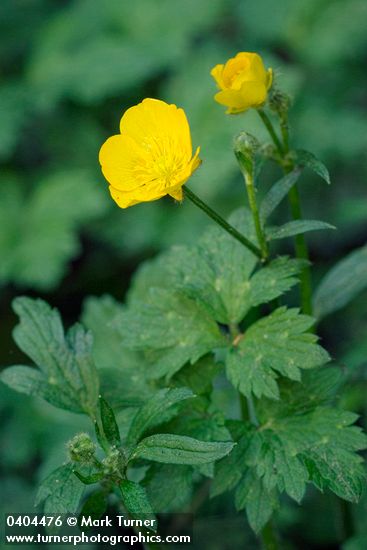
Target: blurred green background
point(68, 71)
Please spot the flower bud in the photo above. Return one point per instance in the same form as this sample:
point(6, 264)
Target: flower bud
point(113, 463)
point(245, 147)
point(81, 448)
point(279, 101)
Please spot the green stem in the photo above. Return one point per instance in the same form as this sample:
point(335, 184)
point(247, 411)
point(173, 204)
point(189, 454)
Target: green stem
point(222, 222)
point(248, 412)
point(270, 128)
point(347, 522)
point(247, 405)
point(252, 411)
point(269, 539)
point(267, 534)
point(301, 248)
point(301, 253)
point(103, 439)
point(251, 193)
point(285, 131)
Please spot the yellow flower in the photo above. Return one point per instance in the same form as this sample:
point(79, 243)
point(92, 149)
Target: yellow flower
point(243, 82)
point(151, 157)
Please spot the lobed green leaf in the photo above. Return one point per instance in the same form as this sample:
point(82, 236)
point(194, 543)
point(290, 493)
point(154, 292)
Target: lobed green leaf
point(177, 328)
point(259, 502)
point(276, 344)
point(169, 487)
point(65, 361)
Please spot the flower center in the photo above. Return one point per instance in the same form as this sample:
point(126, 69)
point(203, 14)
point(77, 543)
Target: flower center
point(166, 159)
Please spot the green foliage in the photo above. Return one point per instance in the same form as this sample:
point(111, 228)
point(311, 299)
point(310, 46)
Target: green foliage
point(229, 471)
point(109, 424)
point(116, 33)
point(151, 413)
point(296, 227)
point(278, 343)
point(35, 233)
point(173, 496)
point(15, 112)
point(221, 284)
point(175, 449)
point(277, 193)
point(231, 288)
point(67, 377)
point(60, 491)
point(287, 452)
point(66, 366)
point(122, 371)
point(308, 160)
point(136, 501)
point(208, 279)
point(342, 283)
point(259, 502)
point(170, 323)
point(200, 376)
point(199, 307)
point(94, 506)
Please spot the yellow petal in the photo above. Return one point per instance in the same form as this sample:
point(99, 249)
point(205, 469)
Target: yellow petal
point(230, 98)
point(217, 74)
point(152, 156)
point(252, 94)
point(155, 118)
point(123, 163)
point(234, 67)
point(124, 199)
point(176, 193)
point(257, 69)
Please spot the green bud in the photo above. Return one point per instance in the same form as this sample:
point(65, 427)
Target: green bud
point(113, 463)
point(245, 143)
point(279, 101)
point(81, 448)
point(245, 147)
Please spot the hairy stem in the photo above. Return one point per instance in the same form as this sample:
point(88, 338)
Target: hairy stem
point(270, 128)
point(248, 412)
point(251, 193)
point(267, 534)
point(222, 222)
point(301, 248)
point(301, 253)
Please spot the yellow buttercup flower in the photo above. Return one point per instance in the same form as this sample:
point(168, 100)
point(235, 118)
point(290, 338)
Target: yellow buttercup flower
point(151, 157)
point(243, 81)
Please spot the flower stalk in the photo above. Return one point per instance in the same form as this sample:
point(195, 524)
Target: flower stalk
point(221, 222)
point(270, 128)
point(287, 165)
point(245, 148)
point(251, 193)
